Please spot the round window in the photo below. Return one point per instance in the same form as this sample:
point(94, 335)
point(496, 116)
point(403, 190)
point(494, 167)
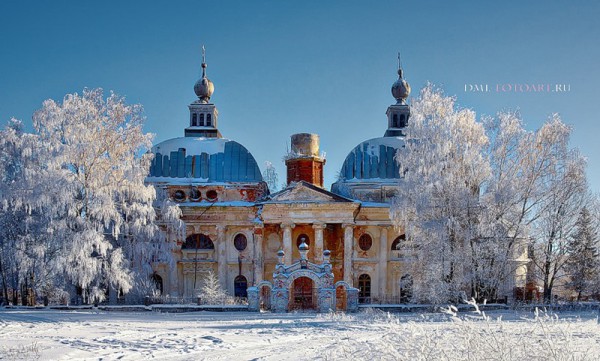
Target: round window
point(195, 194)
point(365, 242)
point(240, 242)
point(212, 195)
point(179, 195)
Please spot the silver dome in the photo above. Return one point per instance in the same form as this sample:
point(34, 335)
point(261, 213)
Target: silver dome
point(400, 89)
point(204, 88)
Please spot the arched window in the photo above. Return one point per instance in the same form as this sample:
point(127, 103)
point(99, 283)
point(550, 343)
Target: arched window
point(208, 120)
point(365, 242)
point(398, 243)
point(158, 283)
point(395, 121)
point(194, 120)
point(201, 120)
point(302, 237)
point(240, 242)
point(198, 241)
point(364, 288)
point(402, 120)
point(240, 287)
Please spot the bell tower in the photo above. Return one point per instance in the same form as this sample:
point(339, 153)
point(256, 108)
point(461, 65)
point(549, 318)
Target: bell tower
point(203, 114)
point(304, 161)
point(398, 113)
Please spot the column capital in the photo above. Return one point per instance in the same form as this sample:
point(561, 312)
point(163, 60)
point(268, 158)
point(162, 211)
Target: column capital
point(319, 225)
point(288, 225)
point(348, 225)
point(220, 228)
point(387, 227)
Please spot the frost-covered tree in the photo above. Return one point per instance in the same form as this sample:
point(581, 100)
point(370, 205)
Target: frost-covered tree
point(583, 265)
point(438, 202)
point(27, 255)
point(510, 196)
point(211, 292)
point(562, 191)
point(473, 195)
point(270, 177)
point(102, 210)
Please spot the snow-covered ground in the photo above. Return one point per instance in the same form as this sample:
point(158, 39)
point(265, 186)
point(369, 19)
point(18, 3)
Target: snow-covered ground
point(371, 335)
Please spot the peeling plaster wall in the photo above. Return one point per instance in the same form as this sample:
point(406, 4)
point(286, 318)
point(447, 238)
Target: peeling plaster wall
point(384, 265)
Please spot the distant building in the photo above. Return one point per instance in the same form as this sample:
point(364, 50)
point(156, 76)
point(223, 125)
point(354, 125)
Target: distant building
point(235, 227)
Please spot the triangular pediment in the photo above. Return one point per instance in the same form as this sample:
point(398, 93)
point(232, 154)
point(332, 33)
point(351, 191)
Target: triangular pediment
point(304, 192)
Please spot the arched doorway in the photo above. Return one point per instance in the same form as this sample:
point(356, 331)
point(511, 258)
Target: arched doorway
point(364, 288)
point(341, 298)
point(158, 283)
point(264, 298)
point(302, 297)
point(240, 287)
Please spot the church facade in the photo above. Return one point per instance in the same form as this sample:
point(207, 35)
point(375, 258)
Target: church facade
point(251, 238)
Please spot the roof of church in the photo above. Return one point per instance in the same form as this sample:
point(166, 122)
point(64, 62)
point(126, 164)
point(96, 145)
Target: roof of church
point(373, 159)
point(305, 192)
point(205, 160)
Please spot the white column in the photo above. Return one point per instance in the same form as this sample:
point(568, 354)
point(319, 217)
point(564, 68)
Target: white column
point(318, 248)
point(348, 246)
point(383, 258)
point(258, 254)
point(222, 256)
point(287, 242)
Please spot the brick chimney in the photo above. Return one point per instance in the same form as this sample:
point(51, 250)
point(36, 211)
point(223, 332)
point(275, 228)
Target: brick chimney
point(304, 162)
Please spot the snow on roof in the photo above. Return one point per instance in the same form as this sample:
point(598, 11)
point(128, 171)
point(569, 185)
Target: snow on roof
point(378, 181)
point(218, 204)
point(373, 159)
point(192, 145)
point(206, 160)
point(374, 205)
point(373, 144)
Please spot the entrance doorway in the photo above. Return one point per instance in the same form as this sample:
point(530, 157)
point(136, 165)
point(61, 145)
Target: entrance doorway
point(265, 298)
point(302, 297)
point(240, 286)
point(341, 300)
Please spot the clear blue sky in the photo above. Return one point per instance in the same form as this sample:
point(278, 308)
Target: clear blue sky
point(326, 67)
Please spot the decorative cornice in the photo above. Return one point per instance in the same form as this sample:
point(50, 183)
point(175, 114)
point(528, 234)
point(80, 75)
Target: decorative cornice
point(348, 225)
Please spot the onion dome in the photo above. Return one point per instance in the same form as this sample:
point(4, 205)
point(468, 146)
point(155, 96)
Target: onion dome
point(400, 88)
point(204, 88)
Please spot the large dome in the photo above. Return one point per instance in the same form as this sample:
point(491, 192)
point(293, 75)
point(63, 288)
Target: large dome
point(205, 160)
point(373, 159)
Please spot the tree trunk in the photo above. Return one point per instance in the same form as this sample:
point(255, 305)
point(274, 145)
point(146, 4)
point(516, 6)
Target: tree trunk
point(4, 283)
